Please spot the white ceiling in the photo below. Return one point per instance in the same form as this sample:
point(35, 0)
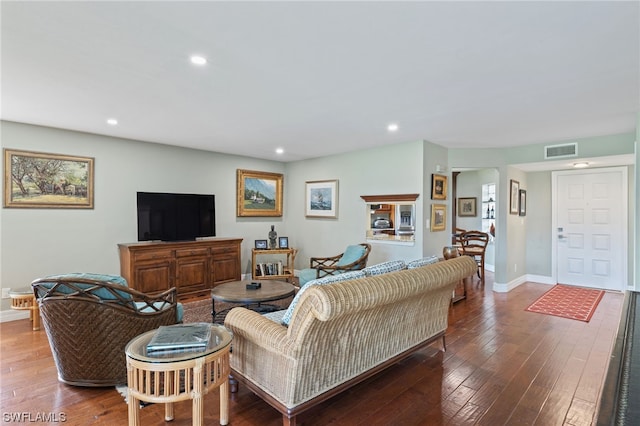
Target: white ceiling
point(317, 78)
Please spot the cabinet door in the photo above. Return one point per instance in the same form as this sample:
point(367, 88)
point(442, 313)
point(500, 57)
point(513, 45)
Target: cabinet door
point(153, 277)
point(192, 274)
point(224, 270)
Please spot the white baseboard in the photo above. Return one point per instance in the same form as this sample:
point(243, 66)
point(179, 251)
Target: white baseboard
point(507, 287)
point(13, 315)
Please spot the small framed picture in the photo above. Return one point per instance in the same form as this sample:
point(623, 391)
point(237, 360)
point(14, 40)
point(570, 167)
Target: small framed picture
point(467, 207)
point(438, 217)
point(514, 197)
point(283, 242)
point(438, 187)
point(261, 244)
point(523, 203)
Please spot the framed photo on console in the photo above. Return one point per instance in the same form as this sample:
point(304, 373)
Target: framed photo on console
point(261, 244)
point(283, 242)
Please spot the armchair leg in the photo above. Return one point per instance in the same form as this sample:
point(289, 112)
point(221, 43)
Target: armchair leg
point(233, 384)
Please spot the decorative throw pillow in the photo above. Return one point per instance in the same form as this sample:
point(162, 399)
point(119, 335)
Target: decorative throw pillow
point(351, 275)
point(385, 267)
point(422, 262)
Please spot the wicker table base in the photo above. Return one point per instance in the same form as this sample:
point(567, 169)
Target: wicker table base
point(25, 300)
point(180, 377)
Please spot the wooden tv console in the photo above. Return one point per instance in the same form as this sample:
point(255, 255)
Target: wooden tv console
point(193, 267)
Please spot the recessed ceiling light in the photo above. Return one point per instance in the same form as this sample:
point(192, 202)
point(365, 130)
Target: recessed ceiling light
point(112, 122)
point(198, 60)
point(581, 165)
point(279, 151)
point(393, 127)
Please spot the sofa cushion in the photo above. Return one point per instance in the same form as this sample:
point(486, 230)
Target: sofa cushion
point(351, 254)
point(422, 262)
point(306, 275)
point(275, 316)
point(351, 275)
point(385, 267)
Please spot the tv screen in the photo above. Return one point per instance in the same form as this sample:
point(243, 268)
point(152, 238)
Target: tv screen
point(175, 217)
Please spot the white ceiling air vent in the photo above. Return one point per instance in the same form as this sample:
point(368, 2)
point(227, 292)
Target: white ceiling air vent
point(561, 151)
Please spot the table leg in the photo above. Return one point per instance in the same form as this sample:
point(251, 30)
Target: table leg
point(213, 310)
point(198, 391)
point(168, 411)
point(224, 402)
point(134, 410)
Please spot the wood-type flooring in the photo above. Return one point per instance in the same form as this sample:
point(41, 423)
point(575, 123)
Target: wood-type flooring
point(503, 366)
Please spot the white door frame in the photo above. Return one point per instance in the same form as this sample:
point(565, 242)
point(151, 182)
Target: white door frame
point(625, 219)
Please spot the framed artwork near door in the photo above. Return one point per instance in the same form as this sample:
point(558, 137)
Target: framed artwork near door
point(438, 217)
point(467, 207)
point(522, 207)
point(515, 197)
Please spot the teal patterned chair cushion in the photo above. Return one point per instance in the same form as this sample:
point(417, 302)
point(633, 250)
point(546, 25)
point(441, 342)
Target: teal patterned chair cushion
point(384, 268)
point(329, 279)
point(103, 294)
point(422, 262)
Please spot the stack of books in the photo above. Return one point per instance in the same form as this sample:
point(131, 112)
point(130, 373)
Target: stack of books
point(175, 339)
point(274, 268)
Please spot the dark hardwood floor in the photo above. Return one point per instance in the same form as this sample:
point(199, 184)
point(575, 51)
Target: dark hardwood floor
point(502, 366)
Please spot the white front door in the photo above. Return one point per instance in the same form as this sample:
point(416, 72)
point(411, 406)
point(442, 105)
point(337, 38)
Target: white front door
point(590, 227)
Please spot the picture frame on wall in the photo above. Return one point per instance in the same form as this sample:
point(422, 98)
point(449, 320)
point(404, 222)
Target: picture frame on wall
point(47, 181)
point(438, 187)
point(283, 242)
point(258, 193)
point(467, 207)
point(321, 199)
point(261, 244)
point(514, 196)
point(438, 217)
point(522, 207)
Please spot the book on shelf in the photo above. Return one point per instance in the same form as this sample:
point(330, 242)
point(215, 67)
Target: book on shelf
point(271, 268)
point(180, 338)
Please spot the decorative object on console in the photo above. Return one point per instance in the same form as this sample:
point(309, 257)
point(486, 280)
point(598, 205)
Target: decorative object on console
point(273, 237)
point(438, 217)
point(258, 193)
point(438, 187)
point(467, 207)
point(41, 180)
point(322, 199)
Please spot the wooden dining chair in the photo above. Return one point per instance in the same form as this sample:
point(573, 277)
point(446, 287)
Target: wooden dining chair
point(474, 244)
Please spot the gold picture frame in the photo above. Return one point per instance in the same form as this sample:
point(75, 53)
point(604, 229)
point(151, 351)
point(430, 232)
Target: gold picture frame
point(438, 187)
point(259, 193)
point(438, 217)
point(47, 181)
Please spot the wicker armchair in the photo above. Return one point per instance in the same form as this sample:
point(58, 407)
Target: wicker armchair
point(89, 319)
point(343, 262)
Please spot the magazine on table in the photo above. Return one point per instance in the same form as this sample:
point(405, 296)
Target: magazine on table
point(180, 338)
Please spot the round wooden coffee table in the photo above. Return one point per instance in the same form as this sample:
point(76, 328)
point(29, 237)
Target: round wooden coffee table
point(237, 292)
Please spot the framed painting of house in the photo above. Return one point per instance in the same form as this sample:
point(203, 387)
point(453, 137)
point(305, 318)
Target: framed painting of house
point(259, 193)
point(43, 180)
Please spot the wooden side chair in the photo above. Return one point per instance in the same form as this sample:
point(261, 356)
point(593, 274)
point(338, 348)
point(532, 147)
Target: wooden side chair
point(354, 258)
point(474, 244)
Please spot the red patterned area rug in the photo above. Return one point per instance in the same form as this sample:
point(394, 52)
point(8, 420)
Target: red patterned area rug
point(567, 301)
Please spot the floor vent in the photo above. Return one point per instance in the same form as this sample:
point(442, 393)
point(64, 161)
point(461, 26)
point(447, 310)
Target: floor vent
point(561, 151)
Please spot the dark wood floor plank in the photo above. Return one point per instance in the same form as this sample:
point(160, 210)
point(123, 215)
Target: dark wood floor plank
point(503, 366)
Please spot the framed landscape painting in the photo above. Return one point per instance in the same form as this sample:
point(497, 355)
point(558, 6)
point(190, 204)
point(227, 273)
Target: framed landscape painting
point(322, 199)
point(259, 193)
point(42, 180)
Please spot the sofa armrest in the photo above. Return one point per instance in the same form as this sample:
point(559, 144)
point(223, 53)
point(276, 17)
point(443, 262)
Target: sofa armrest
point(252, 327)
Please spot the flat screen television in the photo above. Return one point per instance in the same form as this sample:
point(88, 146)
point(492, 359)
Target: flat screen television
point(175, 217)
